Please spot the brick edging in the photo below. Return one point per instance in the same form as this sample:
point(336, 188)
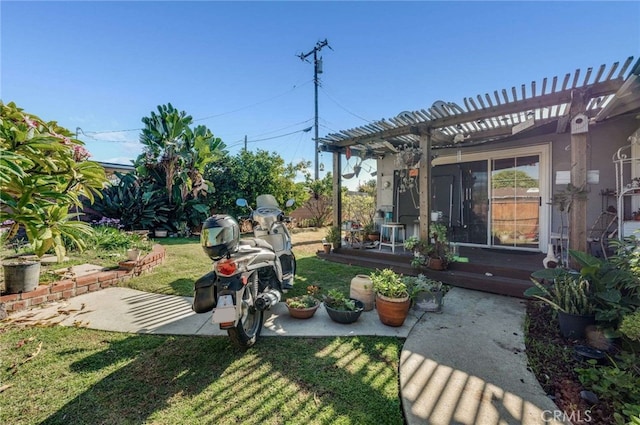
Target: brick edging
point(67, 288)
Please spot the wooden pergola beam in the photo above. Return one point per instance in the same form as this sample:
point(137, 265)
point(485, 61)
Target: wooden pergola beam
point(552, 99)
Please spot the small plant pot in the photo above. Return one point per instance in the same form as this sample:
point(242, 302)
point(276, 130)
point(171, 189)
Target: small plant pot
point(573, 326)
point(435, 264)
point(429, 302)
point(303, 313)
point(133, 254)
point(345, 316)
point(327, 248)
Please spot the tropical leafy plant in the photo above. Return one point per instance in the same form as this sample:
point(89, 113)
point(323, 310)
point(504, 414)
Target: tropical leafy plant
point(136, 205)
point(174, 158)
point(44, 174)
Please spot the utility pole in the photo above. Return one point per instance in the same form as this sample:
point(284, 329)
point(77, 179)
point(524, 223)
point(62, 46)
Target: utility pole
point(317, 69)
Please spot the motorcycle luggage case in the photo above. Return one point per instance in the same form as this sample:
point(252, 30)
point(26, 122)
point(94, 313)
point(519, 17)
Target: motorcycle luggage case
point(204, 298)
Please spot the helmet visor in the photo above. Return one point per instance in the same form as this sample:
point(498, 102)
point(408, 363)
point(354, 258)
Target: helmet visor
point(216, 236)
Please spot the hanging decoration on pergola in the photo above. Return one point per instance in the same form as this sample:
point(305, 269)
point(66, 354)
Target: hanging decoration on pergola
point(408, 156)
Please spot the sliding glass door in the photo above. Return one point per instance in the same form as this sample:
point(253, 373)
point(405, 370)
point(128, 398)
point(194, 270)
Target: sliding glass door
point(515, 201)
point(488, 199)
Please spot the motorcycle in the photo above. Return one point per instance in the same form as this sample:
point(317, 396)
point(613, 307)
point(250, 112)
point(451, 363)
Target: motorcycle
point(249, 275)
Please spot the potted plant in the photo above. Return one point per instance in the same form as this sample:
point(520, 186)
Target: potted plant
point(334, 236)
point(569, 294)
point(392, 297)
point(44, 174)
point(369, 230)
point(342, 309)
point(413, 243)
point(426, 294)
point(304, 306)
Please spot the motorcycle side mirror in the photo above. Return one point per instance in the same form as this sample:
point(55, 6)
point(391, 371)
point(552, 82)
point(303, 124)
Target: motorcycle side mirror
point(241, 202)
point(290, 202)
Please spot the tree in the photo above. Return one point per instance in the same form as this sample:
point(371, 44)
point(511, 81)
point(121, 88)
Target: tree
point(513, 178)
point(174, 157)
point(43, 174)
point(320, 202)
point(248, 175)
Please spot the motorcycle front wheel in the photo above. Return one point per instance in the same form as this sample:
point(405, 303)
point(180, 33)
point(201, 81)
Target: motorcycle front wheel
point(247, 331)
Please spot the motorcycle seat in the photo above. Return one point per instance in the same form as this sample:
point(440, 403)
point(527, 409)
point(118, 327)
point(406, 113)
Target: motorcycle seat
point(256, 243)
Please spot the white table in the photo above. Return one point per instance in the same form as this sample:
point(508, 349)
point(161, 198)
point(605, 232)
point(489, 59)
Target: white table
point(396, 234)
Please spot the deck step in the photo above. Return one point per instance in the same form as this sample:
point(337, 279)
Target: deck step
point(502, 280)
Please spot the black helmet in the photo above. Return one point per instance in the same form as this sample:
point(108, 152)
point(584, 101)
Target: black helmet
point(220, 235)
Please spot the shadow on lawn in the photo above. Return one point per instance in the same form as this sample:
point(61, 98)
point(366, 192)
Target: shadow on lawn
point(206, 380)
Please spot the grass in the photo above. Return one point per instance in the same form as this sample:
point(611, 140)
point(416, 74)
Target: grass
point(82, 376)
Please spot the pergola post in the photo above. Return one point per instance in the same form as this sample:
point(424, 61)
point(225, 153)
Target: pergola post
point(578, 213)
point(337, 192)
point(424, 183)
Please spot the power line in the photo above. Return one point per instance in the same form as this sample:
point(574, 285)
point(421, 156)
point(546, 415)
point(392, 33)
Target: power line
point(342, 107)
point(254, 104)
point(210, 116)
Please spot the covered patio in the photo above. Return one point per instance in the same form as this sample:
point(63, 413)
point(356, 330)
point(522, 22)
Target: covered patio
point(572, 108)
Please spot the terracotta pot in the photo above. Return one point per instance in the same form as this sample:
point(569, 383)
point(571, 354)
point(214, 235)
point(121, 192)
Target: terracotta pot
point(435, 264)
point(392, 311)
point(373, 236)
point(303, 313)
point(327, 248)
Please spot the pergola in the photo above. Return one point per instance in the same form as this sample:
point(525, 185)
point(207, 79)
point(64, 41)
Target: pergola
point(553, 106)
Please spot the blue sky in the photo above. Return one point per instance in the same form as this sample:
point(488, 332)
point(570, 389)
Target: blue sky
point(102, 66)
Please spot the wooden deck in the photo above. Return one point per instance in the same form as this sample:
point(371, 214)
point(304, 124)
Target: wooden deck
point(491, 270)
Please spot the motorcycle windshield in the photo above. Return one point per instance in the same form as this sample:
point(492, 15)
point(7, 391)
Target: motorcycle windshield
point(267, 201)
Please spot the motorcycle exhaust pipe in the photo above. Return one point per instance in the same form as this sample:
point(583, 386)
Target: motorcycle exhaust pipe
point(267, 299)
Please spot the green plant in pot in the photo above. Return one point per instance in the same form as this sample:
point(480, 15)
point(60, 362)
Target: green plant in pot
point(341, 308)
point(569, 294)
point(334, 236)
point(392, 297)
point(304, 306)
point(427, 294)
point(44, 174)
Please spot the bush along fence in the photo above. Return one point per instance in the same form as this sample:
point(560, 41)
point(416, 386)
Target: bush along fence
point(67, 288)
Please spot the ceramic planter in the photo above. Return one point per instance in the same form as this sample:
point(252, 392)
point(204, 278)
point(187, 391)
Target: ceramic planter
point(392, 311)
point(303, 313)
point(345, 316)
point(362, 289)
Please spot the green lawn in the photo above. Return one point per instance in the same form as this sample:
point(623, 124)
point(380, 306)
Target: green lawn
point(82, 376)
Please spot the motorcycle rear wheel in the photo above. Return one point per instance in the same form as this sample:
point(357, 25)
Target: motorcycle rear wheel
point(247, 331)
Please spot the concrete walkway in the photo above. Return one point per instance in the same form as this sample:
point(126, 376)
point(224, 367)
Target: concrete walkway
point(464, 366)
